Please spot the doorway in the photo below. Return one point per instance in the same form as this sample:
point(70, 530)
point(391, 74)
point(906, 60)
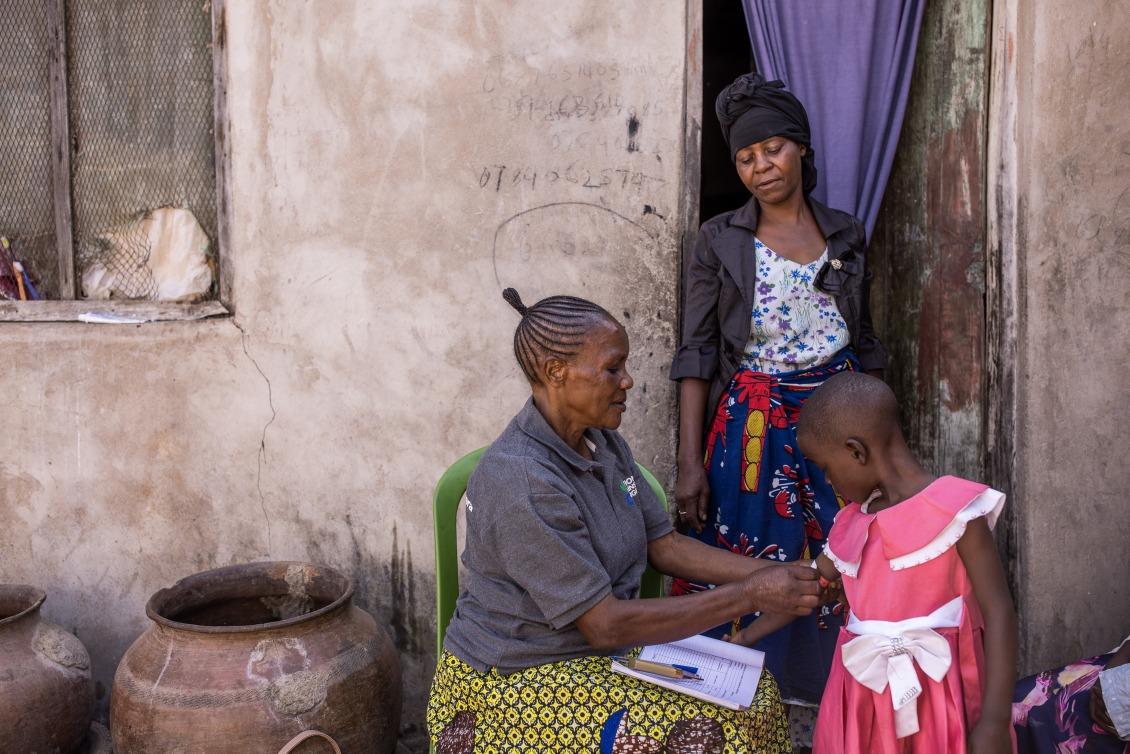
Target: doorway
point(726, 54)
point(928, 251)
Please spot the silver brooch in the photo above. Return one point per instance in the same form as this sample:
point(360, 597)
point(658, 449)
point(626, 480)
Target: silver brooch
point(837, 264)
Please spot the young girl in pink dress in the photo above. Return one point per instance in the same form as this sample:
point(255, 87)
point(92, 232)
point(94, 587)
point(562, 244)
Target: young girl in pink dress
point(926, 663)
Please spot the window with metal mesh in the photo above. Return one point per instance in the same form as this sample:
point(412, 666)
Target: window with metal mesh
point(140, 136)
point(27, 215)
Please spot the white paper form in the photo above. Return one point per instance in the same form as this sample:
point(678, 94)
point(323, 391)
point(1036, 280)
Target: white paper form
point(730, 672)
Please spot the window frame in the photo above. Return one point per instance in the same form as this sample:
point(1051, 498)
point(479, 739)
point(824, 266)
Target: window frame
point(69, 307)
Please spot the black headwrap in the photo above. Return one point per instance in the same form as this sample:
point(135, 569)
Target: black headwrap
point(752, 109)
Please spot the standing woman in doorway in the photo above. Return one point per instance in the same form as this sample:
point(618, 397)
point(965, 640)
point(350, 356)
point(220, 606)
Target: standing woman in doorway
point(776, 302)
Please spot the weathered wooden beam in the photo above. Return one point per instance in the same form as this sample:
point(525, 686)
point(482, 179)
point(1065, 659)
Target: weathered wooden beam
point(223, 149)
point(74, 311)
point(61, 149)
point(1003, 297)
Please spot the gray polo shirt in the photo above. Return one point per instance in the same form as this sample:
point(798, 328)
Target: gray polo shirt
point(549, 534)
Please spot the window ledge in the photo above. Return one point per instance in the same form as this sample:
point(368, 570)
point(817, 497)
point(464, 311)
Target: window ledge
point(108, 312)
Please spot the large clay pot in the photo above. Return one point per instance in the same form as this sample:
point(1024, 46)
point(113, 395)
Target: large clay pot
point(242, 659)
point(46, 695)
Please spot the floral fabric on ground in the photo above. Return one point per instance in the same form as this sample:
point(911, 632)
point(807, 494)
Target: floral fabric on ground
point(1051, 712)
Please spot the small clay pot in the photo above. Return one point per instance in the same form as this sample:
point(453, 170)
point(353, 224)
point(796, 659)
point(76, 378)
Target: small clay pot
point(243, 659)
point(45, 686)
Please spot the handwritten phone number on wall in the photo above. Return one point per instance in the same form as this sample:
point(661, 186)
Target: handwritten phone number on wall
point(499, 177)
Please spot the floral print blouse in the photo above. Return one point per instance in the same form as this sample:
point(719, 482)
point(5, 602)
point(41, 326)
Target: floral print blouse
point(795, 326)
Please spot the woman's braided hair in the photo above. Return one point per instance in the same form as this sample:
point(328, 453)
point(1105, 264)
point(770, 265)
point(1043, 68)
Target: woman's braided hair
point(555, 326)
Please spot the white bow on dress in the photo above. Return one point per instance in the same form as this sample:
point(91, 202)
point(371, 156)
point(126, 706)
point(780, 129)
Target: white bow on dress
point(886, 652)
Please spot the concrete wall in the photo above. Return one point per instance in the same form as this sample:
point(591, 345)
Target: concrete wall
point(1062, 201)
point(394, 165)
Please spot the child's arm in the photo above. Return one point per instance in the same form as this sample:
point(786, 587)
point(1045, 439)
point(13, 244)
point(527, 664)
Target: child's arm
point(979, 554)
point(826, 568)
point(767, 623)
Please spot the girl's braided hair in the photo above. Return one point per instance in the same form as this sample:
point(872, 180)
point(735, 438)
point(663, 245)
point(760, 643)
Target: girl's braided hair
point(553, 327)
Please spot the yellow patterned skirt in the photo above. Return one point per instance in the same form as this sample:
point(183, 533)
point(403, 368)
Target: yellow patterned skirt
point(582, 706)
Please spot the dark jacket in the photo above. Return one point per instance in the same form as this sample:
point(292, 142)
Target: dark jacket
point(720, 293)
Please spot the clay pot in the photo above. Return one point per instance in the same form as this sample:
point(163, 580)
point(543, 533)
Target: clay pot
point(243, 659)
point(45, 687)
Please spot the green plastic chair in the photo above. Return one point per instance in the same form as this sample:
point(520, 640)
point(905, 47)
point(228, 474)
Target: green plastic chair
point(445, 504)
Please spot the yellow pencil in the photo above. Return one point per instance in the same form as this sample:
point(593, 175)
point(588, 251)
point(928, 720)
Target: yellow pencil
point(659, 668)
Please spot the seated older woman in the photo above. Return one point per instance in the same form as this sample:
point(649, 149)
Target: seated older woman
point(559, 530)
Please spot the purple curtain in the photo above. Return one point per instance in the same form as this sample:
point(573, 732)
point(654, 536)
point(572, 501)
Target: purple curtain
point(850, 64)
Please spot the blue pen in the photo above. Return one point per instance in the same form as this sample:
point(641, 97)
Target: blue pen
point(683, 672)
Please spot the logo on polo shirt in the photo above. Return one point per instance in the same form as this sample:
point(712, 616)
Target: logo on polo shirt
point(628, 487)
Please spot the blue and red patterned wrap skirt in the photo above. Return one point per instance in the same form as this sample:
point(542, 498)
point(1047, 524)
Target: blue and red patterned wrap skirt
point(767, 501)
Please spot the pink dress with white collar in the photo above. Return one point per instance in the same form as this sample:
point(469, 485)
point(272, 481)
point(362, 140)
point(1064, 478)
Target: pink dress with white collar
point(915, 628)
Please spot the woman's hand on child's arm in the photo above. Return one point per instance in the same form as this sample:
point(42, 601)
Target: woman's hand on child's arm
point(978, 551)
point(831, 589)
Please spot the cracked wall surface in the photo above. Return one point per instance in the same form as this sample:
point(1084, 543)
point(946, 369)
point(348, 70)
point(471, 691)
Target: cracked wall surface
point(393, 166)
point(261, 457)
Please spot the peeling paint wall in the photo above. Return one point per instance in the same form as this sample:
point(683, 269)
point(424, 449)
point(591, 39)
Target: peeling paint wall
point(1063, 205)
point(394, 165)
